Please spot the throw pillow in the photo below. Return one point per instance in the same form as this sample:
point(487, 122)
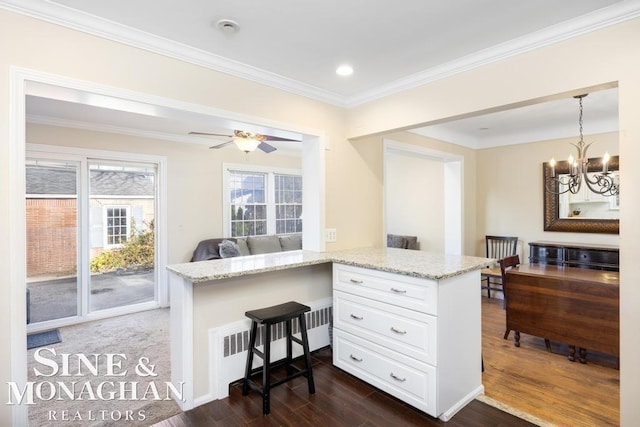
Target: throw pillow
point(229, 249)
point(263, 244)
point(244, 249)
point(291, 242)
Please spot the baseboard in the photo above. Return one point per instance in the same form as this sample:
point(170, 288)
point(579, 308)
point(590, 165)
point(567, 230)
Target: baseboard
point(449, 413)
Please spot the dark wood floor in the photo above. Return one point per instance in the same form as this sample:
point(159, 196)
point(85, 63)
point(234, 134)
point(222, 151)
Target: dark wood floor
point(340, 400)
point(530, 379)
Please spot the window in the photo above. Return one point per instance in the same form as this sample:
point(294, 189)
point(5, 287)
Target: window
point(261, 201)
point(288, 201)
point(248, 203)
point(117, 225)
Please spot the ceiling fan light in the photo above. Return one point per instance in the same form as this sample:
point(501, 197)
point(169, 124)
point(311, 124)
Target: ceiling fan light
point(344, 70)
point(247, 144)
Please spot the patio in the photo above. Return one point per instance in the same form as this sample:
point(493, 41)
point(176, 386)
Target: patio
point(57, 298)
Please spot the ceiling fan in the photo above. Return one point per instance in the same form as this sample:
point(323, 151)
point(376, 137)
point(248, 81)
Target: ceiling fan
point(246, 141)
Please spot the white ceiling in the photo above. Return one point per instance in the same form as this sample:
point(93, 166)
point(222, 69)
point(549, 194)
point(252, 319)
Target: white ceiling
point(297, 45)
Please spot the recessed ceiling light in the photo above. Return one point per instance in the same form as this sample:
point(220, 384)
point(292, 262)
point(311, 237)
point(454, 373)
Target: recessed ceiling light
point(344, 70)
point(228, 26)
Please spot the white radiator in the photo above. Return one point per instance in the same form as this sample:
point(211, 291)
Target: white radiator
point(228, 347)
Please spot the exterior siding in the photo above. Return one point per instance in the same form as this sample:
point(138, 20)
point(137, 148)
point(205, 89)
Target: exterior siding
point(51, 237)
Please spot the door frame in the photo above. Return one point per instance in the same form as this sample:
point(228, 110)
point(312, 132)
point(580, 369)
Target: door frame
point(83, 156)
point(453, 181)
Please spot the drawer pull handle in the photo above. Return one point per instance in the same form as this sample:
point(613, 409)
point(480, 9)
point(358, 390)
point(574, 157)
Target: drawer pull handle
point(353, 316)
point(355, 358)
point(398, 291)
point(398, 331)
point(359, 282)
point(397, 378)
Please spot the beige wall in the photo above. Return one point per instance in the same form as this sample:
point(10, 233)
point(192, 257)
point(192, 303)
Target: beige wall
point(510, 196)
point(353, 172)
point(414, 199)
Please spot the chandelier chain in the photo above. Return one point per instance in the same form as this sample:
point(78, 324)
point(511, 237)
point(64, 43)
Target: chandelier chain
point(580, 119)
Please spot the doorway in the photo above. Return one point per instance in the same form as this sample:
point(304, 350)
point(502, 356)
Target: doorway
point(90, 233)
point(423, 196)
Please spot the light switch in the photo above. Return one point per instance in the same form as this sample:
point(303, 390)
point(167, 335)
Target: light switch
point(330, 235)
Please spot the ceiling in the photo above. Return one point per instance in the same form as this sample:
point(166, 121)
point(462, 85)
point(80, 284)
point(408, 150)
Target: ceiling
point(297, 46)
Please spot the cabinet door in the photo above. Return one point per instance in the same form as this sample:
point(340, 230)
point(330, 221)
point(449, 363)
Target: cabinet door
point(592, 258)
point(542, 254)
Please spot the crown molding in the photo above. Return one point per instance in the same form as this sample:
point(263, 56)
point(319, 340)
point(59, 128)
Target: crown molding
point(445, 134)
point(584, 24)
point(90, 24)
point(110, 30)
point(100, 127)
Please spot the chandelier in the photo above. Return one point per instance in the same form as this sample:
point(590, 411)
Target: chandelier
point(604, 183)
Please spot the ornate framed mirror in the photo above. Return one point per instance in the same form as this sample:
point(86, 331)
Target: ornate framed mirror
point(554, 221)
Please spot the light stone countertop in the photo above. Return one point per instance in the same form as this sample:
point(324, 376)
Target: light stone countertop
point(421, 264)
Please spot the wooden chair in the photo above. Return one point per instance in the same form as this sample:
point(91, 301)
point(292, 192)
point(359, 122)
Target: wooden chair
point(497, 247)
point(508, 263)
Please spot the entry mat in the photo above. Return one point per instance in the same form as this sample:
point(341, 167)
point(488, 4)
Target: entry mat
point(43, 338)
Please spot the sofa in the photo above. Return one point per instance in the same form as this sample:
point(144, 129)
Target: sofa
point(402, 241)
point(228, 247)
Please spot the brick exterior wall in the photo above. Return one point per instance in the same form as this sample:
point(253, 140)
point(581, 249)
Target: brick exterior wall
point(51, 237)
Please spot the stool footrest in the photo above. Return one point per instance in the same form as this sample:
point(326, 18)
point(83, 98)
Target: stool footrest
point(257, 352)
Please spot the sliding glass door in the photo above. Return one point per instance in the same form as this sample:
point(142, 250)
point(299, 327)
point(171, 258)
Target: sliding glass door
point(91, 246)
point(121, 219)
point(52, 239)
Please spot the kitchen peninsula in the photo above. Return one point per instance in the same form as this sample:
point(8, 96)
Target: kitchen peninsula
point(435, 293)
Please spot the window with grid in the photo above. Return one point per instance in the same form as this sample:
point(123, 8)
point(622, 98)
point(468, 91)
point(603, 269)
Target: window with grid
point(117, 229)
point(248, 203)
point(262, 200)
point(288, 202)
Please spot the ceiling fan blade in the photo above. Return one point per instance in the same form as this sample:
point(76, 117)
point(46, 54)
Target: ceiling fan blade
point(266, 147)
point(210, 134)
point(215, 147)
point(278, 138)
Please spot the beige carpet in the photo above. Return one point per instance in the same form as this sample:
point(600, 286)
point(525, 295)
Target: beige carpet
point(140, 335)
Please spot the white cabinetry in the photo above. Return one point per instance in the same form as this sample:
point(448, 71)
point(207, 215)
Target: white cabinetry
point(417, 339)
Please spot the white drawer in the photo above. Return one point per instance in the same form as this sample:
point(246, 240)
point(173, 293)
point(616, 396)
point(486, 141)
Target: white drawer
point(406, 331)
point(404, 291)
point(411, 381)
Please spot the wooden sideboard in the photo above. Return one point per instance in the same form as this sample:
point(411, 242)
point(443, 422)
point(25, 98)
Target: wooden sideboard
point(577, 306)
point(598, 257)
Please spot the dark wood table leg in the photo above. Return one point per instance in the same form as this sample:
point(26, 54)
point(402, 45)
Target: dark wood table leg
point(582, 352)
point(572, 353)
point(517, 339)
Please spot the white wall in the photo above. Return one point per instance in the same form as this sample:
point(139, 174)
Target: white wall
point(414, 199)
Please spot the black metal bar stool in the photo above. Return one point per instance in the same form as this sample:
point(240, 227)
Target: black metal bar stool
point(270, 316)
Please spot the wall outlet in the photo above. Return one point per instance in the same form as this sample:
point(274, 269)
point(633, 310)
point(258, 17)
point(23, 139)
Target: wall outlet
point(330, 235)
